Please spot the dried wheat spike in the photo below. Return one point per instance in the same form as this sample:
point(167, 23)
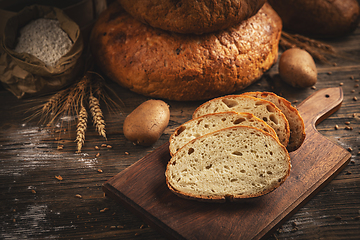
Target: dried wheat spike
point(97, 115)
point(316, 49)
point(52, 105)
point(97, 84)
point(74, 97)
point(81, 128)
point(314, 43)
point(53, 101)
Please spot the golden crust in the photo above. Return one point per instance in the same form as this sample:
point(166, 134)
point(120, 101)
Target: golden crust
point(283, 138)
point(162, 64)
point(296, 123)
point(189, 16)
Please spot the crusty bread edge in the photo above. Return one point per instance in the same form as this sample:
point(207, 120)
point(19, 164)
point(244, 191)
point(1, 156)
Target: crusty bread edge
point(259, 99)
point(228, 198)
point(172, 136)
point(291, 109)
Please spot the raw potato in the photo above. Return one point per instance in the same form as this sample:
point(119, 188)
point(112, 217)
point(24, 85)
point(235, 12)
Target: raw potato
point(297, 68)
point(318, 18)
point(147, 122)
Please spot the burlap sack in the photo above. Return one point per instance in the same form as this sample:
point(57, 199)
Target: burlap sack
point(24, 74)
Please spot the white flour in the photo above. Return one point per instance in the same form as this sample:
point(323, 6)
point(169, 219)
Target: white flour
point(44, 39)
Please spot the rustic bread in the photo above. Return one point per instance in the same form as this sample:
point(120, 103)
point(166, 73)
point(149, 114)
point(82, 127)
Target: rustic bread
point(184, 67)
point(212, 122)
point(189, 16)
point(261, 108)
point(318, 18)
point(296, 123)
point(228, 164)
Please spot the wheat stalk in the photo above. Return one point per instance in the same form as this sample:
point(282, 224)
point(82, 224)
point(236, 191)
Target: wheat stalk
point(81, 128)
point(75, 96)
point(314, 43)
point(99, 87)
point(97, 115)
point(316, 49)
point(52, 106)
point(72, 100)
point(52, 103)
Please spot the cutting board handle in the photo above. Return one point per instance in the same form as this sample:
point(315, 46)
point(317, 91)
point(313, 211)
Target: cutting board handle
point(320, 105)
point(142, 186)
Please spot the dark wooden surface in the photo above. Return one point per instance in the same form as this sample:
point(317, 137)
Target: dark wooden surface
point(142, 188)
point(35, 205)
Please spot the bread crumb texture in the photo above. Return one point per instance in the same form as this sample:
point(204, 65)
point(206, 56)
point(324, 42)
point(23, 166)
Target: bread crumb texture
point(212, 122)
point(296, 123)
point(232, 163)
point(44, 39)
point(261, 108)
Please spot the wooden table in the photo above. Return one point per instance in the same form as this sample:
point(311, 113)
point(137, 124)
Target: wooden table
point(35, 204)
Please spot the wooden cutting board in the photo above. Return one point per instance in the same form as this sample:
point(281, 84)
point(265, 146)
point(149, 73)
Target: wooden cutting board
point(142, 188)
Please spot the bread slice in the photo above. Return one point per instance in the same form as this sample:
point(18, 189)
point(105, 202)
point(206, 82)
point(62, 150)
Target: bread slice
point(228, 164)
point(261, 108)
point(213, 122)
point(296, 123)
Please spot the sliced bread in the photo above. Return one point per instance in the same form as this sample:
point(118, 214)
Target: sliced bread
point(228, 164)
point(213, 122)
point(296, 123)
point(261, 108)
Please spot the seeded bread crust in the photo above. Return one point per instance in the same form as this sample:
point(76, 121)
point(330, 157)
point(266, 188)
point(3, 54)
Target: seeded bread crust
point(189, 16)
point(212, 122)
point(227, 165)
point(296, 123)
point(261, 108)
point(184, 67)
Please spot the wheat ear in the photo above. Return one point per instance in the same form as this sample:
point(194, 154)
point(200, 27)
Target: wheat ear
point(52, 105)
point(81, 128)
point(315, 50)
point(97, 115)
point(74, 97)
point(100, 91)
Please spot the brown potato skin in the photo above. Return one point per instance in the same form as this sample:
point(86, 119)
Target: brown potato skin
point(318, 18)
point(297, 68)
point(147, 122)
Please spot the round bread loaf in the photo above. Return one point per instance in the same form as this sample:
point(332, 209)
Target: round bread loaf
point(162, 64)
point(318, 18)
point(189, 16)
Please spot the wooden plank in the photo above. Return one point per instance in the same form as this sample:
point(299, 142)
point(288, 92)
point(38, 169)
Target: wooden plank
point(30, 160)
point(142, 188)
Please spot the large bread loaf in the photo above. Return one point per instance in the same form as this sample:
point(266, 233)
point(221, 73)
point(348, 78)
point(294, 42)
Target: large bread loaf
point(189, 16)
point(318, 18)
point(184, 67)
